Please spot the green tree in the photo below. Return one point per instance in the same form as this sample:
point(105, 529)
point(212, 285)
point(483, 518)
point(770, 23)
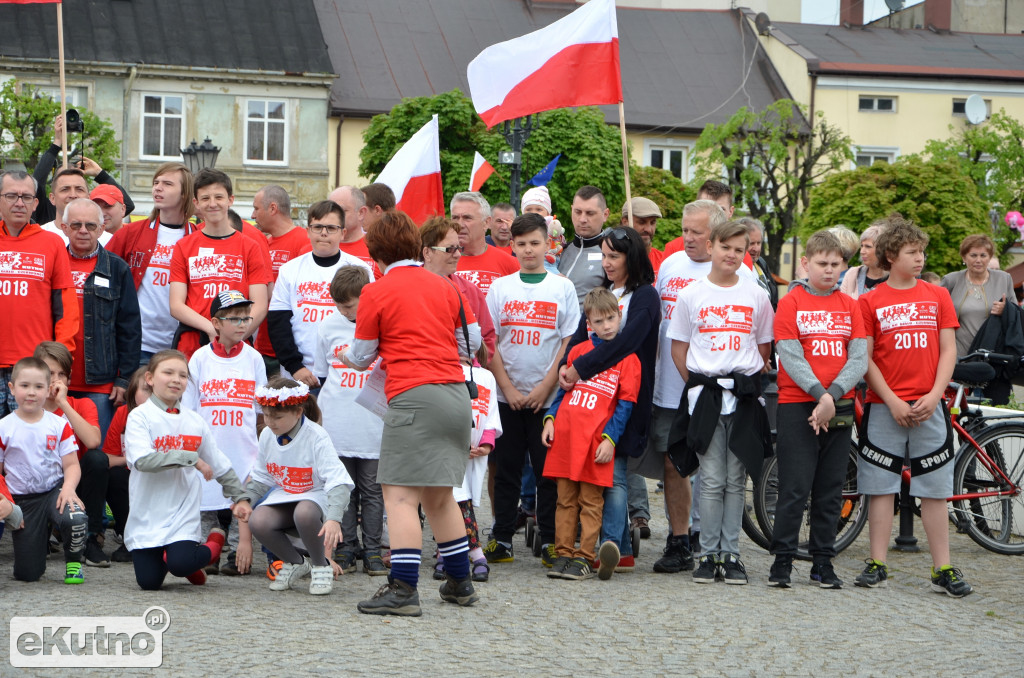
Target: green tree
point(772, 159)
point(591, 149)
point(670, 194)
point(937, 196)
point(26, 128)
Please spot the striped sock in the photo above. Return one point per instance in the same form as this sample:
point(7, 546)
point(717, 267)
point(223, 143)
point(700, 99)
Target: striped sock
point(455, 554)
point(405, 565)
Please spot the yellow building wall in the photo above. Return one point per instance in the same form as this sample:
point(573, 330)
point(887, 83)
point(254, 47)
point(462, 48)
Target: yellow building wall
point(792, 68)
point(345, 140)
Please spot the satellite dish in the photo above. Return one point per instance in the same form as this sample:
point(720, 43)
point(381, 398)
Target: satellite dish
point(975, 109)
point(894, 5)
point(763, 23)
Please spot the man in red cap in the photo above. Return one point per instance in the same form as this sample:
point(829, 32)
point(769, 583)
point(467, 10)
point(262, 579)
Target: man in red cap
point(111, 202)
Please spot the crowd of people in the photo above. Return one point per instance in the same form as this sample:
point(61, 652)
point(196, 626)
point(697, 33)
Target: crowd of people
point(189, 382)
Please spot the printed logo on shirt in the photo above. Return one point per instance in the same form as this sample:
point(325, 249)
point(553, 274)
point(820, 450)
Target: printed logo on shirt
point(673, 286)
point(278, 258)
point(719, 326)
point(51, 442)
point(481, 405)
point(22, 265)
point(837, 323)
point(161, 257)
point(481, 279)
point(606, 383)
point(542, 314)
point(79, 278)
point(349, 378)
point(314, 294)
point(169, 443)
point(227, 392)
point(292, 479)
point(916, 315)
point(219, 266)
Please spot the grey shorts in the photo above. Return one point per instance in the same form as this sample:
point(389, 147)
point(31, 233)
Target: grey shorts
point(651, 464)
point(888, 447)
point(426, 437)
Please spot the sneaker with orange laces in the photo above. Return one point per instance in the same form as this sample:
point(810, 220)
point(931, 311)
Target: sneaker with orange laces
point(273, 568)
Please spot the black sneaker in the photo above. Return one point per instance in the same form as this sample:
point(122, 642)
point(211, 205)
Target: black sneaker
point(733, 571)
point(458, 591)
point(347, 561)
point(121, 555)
point(875, 575)
point(94, 555)
point(396, 597)
point(230, 569)
point(608, 557)
point(558, 567)
point(706, 571)
point(778, 576)
point(950, 581)
point(548, 555)
point(578, 568)
point(824, 575)
point(373, 564)
point(496, 552)
point(676, 557)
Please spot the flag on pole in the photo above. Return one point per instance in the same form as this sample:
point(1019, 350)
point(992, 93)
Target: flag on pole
point(481, 171)
point(542, 177)
point(414, 174)
point(572, 62)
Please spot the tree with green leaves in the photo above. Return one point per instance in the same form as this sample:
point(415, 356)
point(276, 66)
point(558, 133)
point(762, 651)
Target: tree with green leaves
point(936, 195)
point(773, 158)
point(26, 128)
point(668, 192)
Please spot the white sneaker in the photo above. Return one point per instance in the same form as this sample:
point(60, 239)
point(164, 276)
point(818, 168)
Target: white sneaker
point(289, 574)
point(321, 580)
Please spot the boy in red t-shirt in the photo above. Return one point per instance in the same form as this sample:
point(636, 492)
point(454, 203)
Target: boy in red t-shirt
point(910, 326)
point(819, 336)
point(581, 433)
point(215, 259)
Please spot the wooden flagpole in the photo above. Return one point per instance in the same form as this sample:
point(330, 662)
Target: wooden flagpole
point(63, 99)
point(625, 163)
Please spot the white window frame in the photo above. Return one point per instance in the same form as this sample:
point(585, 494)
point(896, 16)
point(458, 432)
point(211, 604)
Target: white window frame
point(874, 103)
point(668, 144)
point(77, 95)
point(266, 122)
point(890, 153)
point(963, 100)
point(142, 124)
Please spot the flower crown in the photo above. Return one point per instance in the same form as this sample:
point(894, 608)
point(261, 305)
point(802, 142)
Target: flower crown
point(282, 397)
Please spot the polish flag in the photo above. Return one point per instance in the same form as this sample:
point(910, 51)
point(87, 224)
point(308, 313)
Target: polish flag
point(414, 174)
point(572, 62)
point(481, 171)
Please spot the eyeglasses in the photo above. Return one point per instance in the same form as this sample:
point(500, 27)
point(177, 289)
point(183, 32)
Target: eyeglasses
point(329, 229)
point(15, 197)
point(451, 249)
point(237, 321)
point(90, 226)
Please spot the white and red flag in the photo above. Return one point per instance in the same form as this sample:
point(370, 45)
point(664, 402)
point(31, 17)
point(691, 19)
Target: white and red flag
point(482, 170)
point(414, 174)
point(572, 62)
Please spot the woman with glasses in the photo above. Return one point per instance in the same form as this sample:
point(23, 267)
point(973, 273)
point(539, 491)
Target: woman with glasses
point(630, 277)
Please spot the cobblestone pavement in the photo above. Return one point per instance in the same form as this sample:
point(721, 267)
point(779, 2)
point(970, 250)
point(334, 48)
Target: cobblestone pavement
point(643, 623)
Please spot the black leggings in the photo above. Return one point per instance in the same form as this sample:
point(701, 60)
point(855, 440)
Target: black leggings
point(183, 558)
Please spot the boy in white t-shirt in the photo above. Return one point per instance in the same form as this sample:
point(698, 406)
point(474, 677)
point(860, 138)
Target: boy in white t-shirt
point(721, 335)
point(224, 377)
point(302, 297)
point(354, 430)
point(535, 314)
point(38, 454)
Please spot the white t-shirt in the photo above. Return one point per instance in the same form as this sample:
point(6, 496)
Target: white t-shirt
point(223, 390)
point(723, 326)
point(354, 430)
point(304, 288)
point(32, 452)
point(485, 417)
point(531, 320)
point(158, 326)
point(52, 227)
point(624, 300)
point(165, 504)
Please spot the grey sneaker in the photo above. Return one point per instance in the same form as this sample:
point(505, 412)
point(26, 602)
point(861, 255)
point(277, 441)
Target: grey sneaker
point(706, 570)
point(875, 575)
point(347, 561)
point(578, 569)
point(289, 574)
point(458, 591)
point(950, 581)
point(733, 571)
point(558, 567)
point(396, 597)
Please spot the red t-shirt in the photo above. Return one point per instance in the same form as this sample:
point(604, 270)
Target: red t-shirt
point(483, 269)
point(413, 314)
point(87, 410)
point(824, 326)
point(260, 239)
point(114, 443)
point(673, 246)
point(81, 269)
point(358, 250)
point(283, 249)
point(905, 326)
point(656, 257)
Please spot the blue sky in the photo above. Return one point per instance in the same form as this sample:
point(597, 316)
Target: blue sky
point(827, 11)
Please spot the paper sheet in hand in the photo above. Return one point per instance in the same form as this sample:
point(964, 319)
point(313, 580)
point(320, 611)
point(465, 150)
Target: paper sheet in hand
point(372, 394)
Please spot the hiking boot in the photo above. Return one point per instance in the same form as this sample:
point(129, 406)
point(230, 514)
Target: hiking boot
point(778, 576)
point(347, 561)
point(289, 574)
point(707, 570)
point(496, 552)
point(824, 575)
point(396, 597)
point(94, 555)
point(577, 568)
point(645, 528)
point(458, 591)
point(480, 570)
point(874, 575)
point(676, 557)
point(321, 579)
point(608, 557)
point(73, 573)
point(373, 564)
point(548, 555)
point(121, 555)
point(948, 580)
point(733, 571)
point(558, 567)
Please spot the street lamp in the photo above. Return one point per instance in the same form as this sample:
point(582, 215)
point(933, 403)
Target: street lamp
point(200, 156)
point(516, 133)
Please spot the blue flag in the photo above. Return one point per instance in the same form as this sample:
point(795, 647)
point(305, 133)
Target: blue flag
point(542, 177)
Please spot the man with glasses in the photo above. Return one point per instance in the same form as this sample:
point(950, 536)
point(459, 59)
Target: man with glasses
point(37, 296)
point(302, 294)
point(481, 264)
point(502, 216)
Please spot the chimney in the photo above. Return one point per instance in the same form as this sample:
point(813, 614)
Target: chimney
point(851, 12)
point(938, 15)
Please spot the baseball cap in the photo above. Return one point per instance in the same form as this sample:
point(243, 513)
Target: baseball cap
point(107, 194)
point(227, 299)
point(643, 207)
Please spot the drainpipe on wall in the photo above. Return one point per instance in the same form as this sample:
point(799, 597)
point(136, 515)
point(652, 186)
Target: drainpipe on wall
point(337, 159)
point(132, 74)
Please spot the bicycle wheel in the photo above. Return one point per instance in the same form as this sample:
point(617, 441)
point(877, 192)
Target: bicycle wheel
point(852, 515)
point(995, 521)
point(750, 525)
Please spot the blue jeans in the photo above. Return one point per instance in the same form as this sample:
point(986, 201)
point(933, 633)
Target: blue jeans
point(104, 408)
point(144, 357)
point(615, 521)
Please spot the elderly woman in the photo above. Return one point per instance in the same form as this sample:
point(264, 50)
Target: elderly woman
point(978, 291)
point(755, 230)
point(860, 279)
point(410, 318)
